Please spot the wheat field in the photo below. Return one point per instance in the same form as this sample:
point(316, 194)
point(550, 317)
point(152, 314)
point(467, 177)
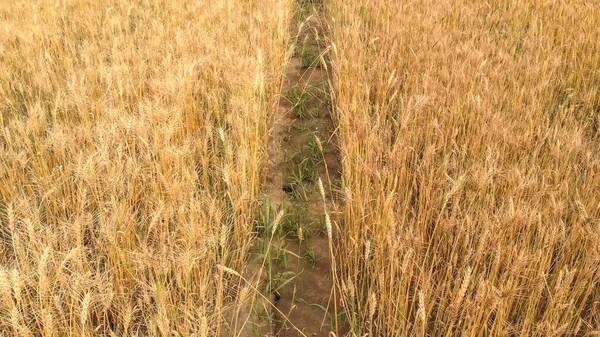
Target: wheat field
point(134, 141)
point(469, 137)
point(131, 142)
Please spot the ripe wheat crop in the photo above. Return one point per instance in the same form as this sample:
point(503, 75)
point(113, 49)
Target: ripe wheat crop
point(131, 140)
point(469, 137)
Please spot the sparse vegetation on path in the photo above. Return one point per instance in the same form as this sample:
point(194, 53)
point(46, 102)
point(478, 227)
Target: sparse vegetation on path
point(303, 163)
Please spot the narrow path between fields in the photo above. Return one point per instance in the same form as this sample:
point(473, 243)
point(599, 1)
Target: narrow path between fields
point(301, 151)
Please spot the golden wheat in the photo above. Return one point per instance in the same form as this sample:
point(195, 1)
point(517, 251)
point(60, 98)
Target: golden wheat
point(469, 137)
point(132, 135)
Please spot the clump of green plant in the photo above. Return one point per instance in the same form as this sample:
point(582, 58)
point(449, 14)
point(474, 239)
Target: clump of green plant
point(310, 56)
point(309, 253)
point(272, 225)
point(296, 223)
point(308, 101)
point(292, 222)
point(299, 98)
point(299, 182)
point(315, 149)
point(304, 172)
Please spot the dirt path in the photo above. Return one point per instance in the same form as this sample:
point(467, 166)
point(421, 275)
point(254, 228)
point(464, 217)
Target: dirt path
point(302, 150)
point(289, 282)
